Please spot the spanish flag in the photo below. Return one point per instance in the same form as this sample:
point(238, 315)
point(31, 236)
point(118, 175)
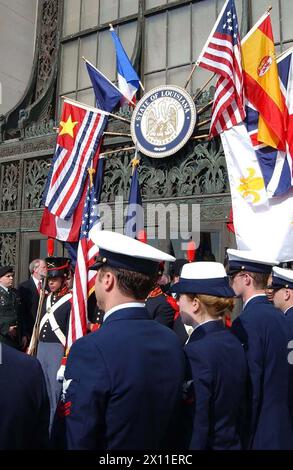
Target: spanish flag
point(261, 82)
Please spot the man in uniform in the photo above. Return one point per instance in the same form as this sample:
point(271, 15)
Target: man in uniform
point(29, 292)
point(164, 309)
point(24, 404)
point(53, 328)
point(261, 329)
point(281, 289)
point(10, 315)
point(123, 383)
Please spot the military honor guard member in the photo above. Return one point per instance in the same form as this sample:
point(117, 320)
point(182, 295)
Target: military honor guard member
point(24, 404)
point(11, 325)
point(164, 309)
point(261, 328)
point(281, 288)
point(54, 325)
point(217, 359)
point(123, 383)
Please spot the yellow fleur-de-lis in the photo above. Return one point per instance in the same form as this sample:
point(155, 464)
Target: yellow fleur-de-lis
point(250, 186)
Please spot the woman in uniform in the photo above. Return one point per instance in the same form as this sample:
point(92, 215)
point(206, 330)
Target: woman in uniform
point(54, 327)
point(216, 358)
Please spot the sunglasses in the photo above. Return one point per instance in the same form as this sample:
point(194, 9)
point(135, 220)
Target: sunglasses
point(232, 276)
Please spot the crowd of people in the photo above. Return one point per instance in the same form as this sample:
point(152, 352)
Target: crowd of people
point(161, 369)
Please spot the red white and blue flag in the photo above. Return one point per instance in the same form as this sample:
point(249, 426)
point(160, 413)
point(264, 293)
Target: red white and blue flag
point(222, 55)
point(80, 131)
point(256, 173)
point(66, 230)
point(276, 165)
point(84, 278)
point(134, 221)
point(128, 80)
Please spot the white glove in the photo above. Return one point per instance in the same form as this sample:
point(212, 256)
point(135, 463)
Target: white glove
point(60, 373)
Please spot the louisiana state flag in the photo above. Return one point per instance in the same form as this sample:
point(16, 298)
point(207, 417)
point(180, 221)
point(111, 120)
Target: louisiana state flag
point(261, 82)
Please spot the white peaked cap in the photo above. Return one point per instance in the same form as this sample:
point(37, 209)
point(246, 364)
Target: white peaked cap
point(204, 277)
point(282, 278)
point(121, 251)
point(247, 260)
point(203, 270)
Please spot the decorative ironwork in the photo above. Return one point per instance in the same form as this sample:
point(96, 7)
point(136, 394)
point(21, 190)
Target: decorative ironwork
point(34, 145)
point(117, 176)
point(196, 170)
point(48, 45)
point(9, 184)
point(7, 249)
point(35, 176)
point(37, 105)
point(42, 128)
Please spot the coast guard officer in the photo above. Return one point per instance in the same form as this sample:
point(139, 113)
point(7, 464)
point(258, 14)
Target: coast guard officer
point(217, 359)
point(24, 404)
point(282, 293)
point(123, 383)
point(262, 330)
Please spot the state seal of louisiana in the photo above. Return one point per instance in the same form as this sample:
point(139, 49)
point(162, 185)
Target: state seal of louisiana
point(163, 121)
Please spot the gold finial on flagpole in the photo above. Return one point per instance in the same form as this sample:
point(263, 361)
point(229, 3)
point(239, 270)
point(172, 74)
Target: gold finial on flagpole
point(91, 172)
point(135, 161)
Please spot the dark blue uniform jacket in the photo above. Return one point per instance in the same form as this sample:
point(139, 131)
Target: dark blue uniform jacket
point(219, 373)
point(123, 384)
point(262, 330)
point(24, 405)
point(289, 324)
point(29, 304)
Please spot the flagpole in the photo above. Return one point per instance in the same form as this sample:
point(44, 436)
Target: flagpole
point(206, 44)
point(212, 33)
point(91, 108)
point(190, 75)
point(106, 78)
point(135, 161)
point(202, 123)
point(112, 29)
point(116, 133)
point(87, 107)
point(204, 108)
point(262, 18)
point(203, 87)
point(116, 151)
point(119, 118)
point(284, 54)
point(197, 137)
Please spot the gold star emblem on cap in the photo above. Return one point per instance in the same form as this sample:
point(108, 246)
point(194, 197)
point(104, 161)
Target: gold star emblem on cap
point(68, 126)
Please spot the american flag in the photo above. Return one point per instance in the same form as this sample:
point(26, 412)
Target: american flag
point(222, 55)
point(80, 131)
point(84, 279)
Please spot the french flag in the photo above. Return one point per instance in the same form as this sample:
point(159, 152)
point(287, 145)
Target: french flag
point(128, 80)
